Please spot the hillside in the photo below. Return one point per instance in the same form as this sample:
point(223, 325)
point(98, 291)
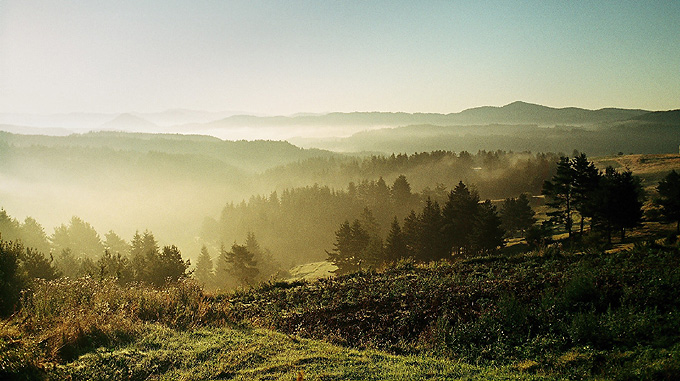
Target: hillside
point(541, 315)
point(131, 181)
point(628, 136)
point(513, 113)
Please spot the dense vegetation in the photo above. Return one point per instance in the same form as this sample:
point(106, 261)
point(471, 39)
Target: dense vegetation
point(423, 278)
point(548, 314)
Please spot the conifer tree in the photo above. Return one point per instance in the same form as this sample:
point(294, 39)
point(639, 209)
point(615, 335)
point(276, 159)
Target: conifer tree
point(204, 273)
point(431, 243)
point(560, 194)
point(488, 233)
point(242, 265)
point(412, 231)
point(618, 202)
point(115, 244)
point(459, 214)
point(116, 266)
point(169, 266)
point(266, 265)
point(669, 198)
point(12, 280)
point(33, 235)
point(36, 266)
point(350, 247)
point(395, 244)
point(9, 227)
point(516, 214)
point(585, 182)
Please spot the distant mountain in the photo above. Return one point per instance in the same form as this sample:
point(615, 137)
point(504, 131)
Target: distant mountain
point(183, 116)
point(528, 113)
point(671, 117)
point(513, 113)
point(128, 122)
point(27, 130)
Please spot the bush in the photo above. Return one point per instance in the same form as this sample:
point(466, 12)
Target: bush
point(12, 281)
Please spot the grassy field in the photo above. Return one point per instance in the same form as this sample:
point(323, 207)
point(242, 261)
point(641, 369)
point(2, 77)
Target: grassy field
point(257, 354)
point(550, 314)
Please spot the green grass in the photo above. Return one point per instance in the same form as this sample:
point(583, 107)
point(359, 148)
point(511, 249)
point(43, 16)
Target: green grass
point(258, 354)
point(541, 315)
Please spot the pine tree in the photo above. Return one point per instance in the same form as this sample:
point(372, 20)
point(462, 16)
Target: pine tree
point(560, 193)
point(115, 244)
point(33, 235)
point(488, 233)
point(516, 214)
point(80, 237)
point(169, 266)
point(267, 266)
point(618, 202)
point(36, 266)
point(204, 273)
point(116, 266)
point(669, 198)
point(12, 279)
point(585, 182)
point(242, 264)
point(412, 232)
point(431, 243)
point(395, 244)
point(350, 248)
point(9, 227)
point(459, 214)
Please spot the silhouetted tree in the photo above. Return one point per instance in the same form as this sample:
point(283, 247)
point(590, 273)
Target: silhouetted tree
point(12, 280)
point(144, 254)
point(116, 266)
point(431, 244)
point(669, 198)
point(9, 227)
point(242, 265)
point(351, 242)
point(37, 266)
point(585, 183)
point(618, 202)
point(459, 214)
point(488, 233)
point(411, 232)
point(169, 266)
point(266, 265)
point(560, 194)
point(395, 244)
point(516, 214)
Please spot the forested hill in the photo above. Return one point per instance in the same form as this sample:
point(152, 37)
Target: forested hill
point(246, 155)
point(650, 133)
point(513, 113)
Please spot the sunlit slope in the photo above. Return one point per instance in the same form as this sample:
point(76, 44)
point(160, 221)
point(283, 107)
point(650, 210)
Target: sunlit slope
point(126, 182)
point(650, 133)
point(257, 354)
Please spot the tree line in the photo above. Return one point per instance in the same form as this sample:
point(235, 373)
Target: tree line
point(608, 200)
point(297, 223)
point(463, 227)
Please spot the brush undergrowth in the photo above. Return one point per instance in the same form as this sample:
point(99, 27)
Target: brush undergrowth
point(609, 310)
point(546, 314)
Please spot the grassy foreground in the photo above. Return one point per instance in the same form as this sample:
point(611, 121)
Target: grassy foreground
point(544, 315)
point(257, 354)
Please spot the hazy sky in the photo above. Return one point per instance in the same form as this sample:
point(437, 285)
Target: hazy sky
point(283, 57)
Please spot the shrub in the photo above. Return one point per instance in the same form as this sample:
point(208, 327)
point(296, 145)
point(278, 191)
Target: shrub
point(11, 278)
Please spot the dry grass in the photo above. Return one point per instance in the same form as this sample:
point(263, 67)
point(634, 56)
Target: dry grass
point(68, 317)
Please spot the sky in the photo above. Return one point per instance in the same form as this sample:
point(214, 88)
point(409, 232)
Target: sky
point(285, 57)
